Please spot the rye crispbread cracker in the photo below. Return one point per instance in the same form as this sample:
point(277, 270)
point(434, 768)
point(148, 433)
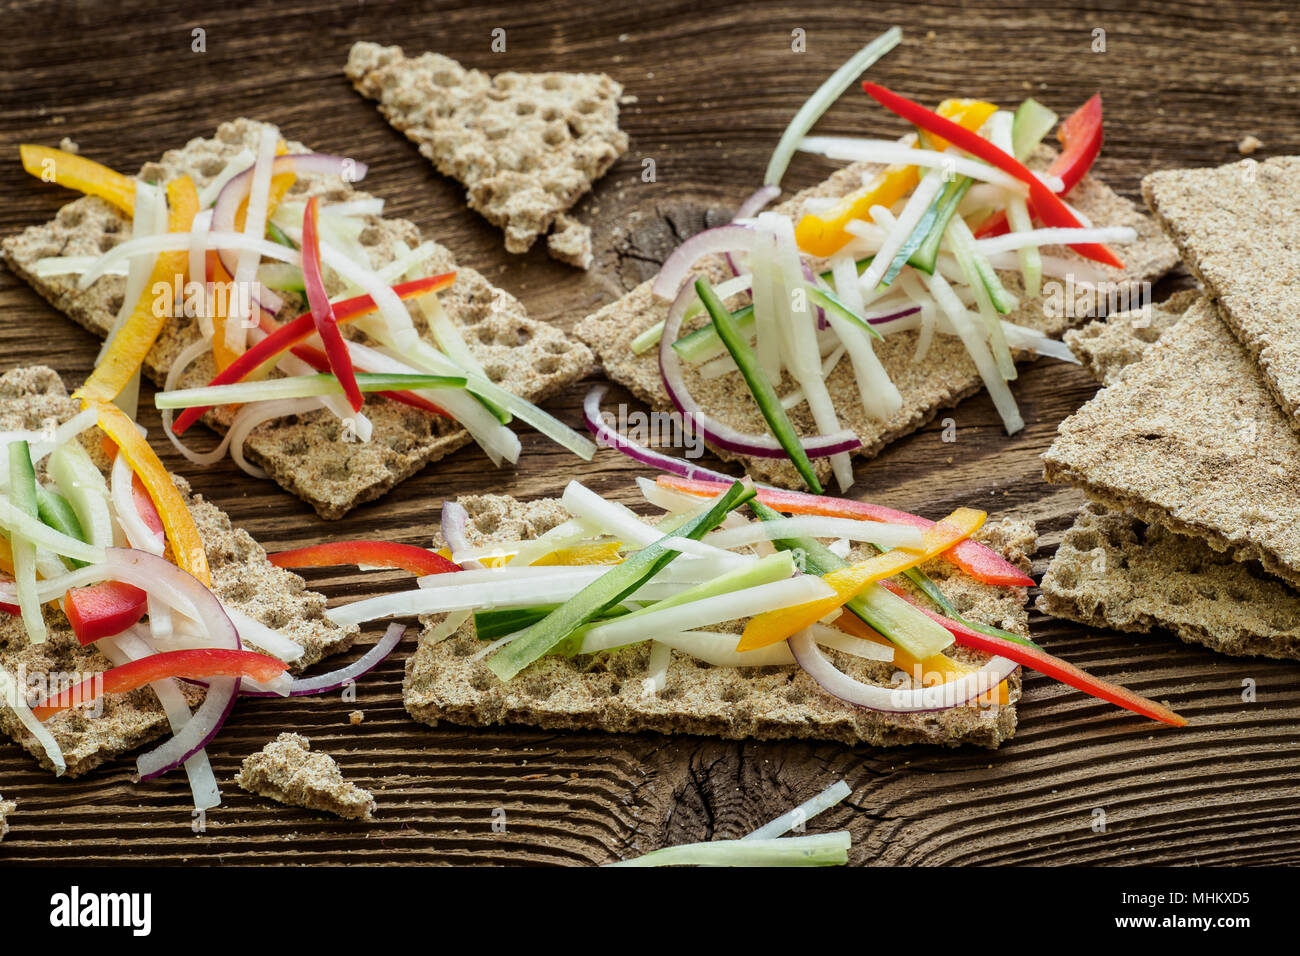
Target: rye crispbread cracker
point(1190, 438)
point(570, 242)
point(1113, 571)
point(1238, 229)
point(6, 808)
point(946, 375)
point(604, 692)
point(288, 771)
point(526, 146)
point(30, 398)
point(312, 455)
point(1108, 346)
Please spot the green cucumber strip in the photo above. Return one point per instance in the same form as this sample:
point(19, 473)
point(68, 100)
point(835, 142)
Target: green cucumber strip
point(609, 590)
point(927, 254)
point(926, 585)
point(774, 567)
point(299, 386)
point(1032, 122)
point(763, 391)
point(875, 605)
point(915, 239)
point(831, 302)
point(54, 509)
point(277, 235)
point(498, 622)
point(282, 277)
point(83, 485)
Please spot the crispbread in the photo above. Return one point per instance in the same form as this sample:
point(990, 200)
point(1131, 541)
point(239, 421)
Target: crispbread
point(1238, 229)
point(1189, 438)
point(604, 692)
point(287, 770)
point(243, 578)
point(944, 378)
point(1108, 346)
point(525, 145)
point(1113, 571)
point(310, 455)
point(6, 808)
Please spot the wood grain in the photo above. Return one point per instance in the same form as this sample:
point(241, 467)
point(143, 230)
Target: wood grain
point(1182, 81)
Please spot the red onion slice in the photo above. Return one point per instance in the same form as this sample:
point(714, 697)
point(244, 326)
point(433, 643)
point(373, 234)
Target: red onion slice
point(605, 435)
point(324, 683)
point(896, 700)
point(757, 200)
point(717, 433)
point(721, 239)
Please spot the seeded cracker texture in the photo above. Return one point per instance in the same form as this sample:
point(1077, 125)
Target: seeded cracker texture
point(1189, 438)
point(526, 146)
point(6, 808)
point(1113, 571)
point(30, 398)
point(570, 242)
point(944, 378)
point(604, 692)
point(309, 455)
point(286, 770)
point(1238, 229)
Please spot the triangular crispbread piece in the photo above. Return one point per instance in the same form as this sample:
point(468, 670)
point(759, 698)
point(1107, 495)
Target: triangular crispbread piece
point(526, 146)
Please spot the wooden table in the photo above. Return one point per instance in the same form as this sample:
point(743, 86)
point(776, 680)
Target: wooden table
point(1183, 83)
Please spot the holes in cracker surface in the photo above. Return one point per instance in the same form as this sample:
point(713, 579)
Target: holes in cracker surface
point(557, 134)
point(548, 365)
point(107, 242)
point(496, 372)
point(524, 108)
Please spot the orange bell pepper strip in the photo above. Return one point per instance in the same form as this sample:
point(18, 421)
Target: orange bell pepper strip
point(772, 626)
point(182, 534)
point(222, 354)
point(979, 561)
point(76, 172)
point(139, 332)
point(195, 664)
point(823, 234)
point(939, 665)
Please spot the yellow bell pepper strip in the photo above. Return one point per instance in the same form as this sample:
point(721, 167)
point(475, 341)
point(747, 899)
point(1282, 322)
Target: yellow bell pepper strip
point(182, 534)
point(222, 354)
point(76, 172)
point(139, 332)
point(823, 234)
point(936, 664)
point(772, 626)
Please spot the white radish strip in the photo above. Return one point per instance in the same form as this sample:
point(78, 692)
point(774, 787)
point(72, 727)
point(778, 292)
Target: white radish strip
point(200, 228)
point(18, 522)
point(80, 481)
point(407, 262)
point(138, 534)
point(698, 549)
point(71, 266)
point(186, 357)
point(445, 628)
point(129, 646)
point(888, 151)
point(796, 396)
point(391, 307)
point(241, 161)
point(253, 632)
point(796, 818)
point(719, 649)
point(661, 655)
point(250, 416)
point(13, 695)
point(767, 345)
point(880, 397)
point(239, 321)
point(922, 196)
point(673, 501)
point(1031, 260)
point(999, 391)
point(183, 242)
point(610, 516)
point(963, 243)
point(1055, 237)
point(878, 533)
point(706, 611)
point(362, 428)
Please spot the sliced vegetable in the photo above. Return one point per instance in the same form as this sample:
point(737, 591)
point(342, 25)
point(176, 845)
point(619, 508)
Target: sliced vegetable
point(769, 404)
point(22, 493)
point(773, 626)
point(76, 172)
point(56, 512)
point(1033, 121)
point(945, 206)
point(15, 697)
point(609, 590)
point(821, 849)
point(605, 435)
point(82, 484)
point(104, 610)
point(193, 664)
point(322, 312)
point(385, 554)
point(333, 680)
point(298, 386)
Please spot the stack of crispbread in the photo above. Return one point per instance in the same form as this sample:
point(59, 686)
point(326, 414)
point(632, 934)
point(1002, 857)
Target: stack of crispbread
point(1191, 454)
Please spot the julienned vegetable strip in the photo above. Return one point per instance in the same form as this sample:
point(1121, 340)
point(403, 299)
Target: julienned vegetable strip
point(610, 589)
point(773, 626)
point(56, 512)
point(186, 543)
point(300, 386)
point(132, 342)
point(299, 330)
point(1046, 204)
point(387, 554)
point(104, 610)
point(76, 172)
point(1054, 667)
point(22, 492)
point(194, 664)
point(821, 849)
point(322, 312)
point(759, 386)
point(977, 560)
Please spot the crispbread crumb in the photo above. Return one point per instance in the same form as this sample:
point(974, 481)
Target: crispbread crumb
point(526, 146)
point(1249, 143)
point(69, 145)
point(570, 242)
point(287, 771)
point(6, 807)
point(356, 717)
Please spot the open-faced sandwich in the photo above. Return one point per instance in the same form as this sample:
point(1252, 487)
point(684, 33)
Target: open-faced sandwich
point(850, 314)
point(251, 263)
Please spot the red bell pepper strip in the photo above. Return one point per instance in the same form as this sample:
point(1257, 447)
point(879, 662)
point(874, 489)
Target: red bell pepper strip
point(1080, 136)
point(1045, 204)
point(10, 609)
point(144, 506)
point(322, 312)
point(1045, 663)
point(387, 554)
point(103, 610)
point(298, 330)
point(977, 560)
point(192, 664)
